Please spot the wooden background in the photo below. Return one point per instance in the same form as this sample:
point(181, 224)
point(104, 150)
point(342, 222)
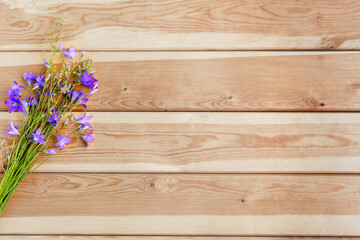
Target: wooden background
point(215, 119)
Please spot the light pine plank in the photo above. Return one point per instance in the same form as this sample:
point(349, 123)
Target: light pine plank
point(185, 204)
point(213, 142)
point(321, 225)
point(48, 237)
point(185, 24)
point(212, 81)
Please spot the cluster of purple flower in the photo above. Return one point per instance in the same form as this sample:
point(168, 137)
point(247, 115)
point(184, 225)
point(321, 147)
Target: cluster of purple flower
point(34, 102)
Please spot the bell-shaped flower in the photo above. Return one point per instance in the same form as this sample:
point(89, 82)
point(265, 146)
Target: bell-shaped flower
point(88, 80)
point(54, 118)
point(29, 77)
point(25, 103)
point(13, 129)
point(88, 138)
point(39, 82)
point(37, 137)
point(62, 140)
point(14, 104)
point(70, 53)
point(84, 121)
point(15, 90)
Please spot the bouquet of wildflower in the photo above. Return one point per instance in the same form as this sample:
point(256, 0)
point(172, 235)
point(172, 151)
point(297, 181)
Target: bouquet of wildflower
point(46, 103)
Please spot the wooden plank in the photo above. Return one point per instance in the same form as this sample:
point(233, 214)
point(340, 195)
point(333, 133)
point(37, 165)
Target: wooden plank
point(213, 142)
point(346, 225)
point(193, 204)
point(72, 237)
point(213, 81)
point(185, 24)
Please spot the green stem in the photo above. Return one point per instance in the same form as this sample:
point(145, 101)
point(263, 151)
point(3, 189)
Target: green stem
point(9, 183)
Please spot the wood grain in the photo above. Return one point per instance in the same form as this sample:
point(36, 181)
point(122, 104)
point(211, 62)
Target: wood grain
point(185, 204)
point(213, 81)
point(73, 237)
point(185, 24)
point(294, 225)
point(213, 142)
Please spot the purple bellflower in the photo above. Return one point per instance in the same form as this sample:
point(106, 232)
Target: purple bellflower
point(84, 121)
point(15, 90)
point(60, 47)
point(70, 53)
point(62, 140)
point(84, 101)
point(14, 104)
point(25, 103)
point(13, 129)
point(49, 94)
point(75, 95)
point(79, 96)
point(33, 102)
point(29, 77)
point(51, 151)
point(38, 138)
point(54, 119)
point(39, 81)
point(88, 80)
point(88, 138)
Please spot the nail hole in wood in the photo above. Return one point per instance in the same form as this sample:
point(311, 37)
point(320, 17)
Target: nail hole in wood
point(230, 97)
point(242, 200)
point(125, 89)
point(322, 104)
point(152, 185)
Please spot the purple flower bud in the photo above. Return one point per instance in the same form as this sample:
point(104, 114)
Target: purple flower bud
point(60, 47)
point(4, 141)
point(51, 151)
point(95, 89)
point(83, 53)
point(25, 103)
point(33, 102)
point(46, 63)
point(49, 94)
